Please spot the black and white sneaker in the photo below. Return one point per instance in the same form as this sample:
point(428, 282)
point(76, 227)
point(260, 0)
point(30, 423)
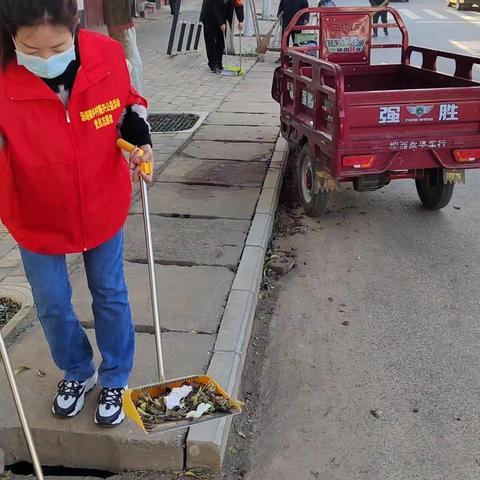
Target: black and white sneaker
point(109, 410)
point(70, 397)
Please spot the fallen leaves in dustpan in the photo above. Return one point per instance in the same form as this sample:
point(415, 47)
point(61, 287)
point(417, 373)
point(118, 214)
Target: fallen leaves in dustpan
point(199, 401)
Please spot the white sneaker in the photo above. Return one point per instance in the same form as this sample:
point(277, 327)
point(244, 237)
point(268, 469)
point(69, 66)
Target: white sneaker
point(70, 397)
point(110, 409)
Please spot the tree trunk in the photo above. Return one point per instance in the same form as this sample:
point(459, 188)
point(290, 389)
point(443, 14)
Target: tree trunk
point(248, 29)
point(118, 18)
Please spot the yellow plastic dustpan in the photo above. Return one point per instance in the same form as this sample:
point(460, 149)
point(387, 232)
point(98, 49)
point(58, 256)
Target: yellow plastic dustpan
point(229, 70)
point(131, 395)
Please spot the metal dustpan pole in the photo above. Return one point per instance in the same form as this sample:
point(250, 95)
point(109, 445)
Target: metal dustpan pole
point(37, 467)
point(241, 71)
point(226, 72)
point(153, 280)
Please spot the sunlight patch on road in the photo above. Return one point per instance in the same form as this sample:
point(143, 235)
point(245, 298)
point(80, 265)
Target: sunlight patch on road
point(408, 13)
point(435, 14)
point(472, 47)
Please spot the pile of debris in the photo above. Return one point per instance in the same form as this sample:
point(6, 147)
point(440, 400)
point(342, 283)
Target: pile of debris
point(8, 309)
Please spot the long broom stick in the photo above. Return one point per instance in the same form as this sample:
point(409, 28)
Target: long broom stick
point(264, 43)
point(37, 467)
point(256, 27)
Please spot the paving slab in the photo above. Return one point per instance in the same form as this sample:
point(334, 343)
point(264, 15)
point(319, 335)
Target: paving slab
point(246, 152)
point(81, 443)
point(214, 172)
point(264, 67)
point(11, 259)
point(186, 241)
point(6, 246)
point(254, 86)
point(201, 200)
point(243, 107)
point(225, 118)
point(243, 95)
point(5, 272)
point(238, 133)
point(190, 298)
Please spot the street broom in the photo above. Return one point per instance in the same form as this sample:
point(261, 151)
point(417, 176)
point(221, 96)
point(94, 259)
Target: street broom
point(37, 467)
point(264, 43)
point(181, 402)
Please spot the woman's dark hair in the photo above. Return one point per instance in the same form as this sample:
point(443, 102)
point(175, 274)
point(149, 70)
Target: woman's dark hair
point(29, 13)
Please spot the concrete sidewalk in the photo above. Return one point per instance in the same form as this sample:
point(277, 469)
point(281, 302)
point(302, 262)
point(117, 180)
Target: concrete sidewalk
point(212, 211)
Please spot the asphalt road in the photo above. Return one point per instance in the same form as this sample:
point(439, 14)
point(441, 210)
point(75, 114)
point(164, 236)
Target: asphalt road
point(381, 313)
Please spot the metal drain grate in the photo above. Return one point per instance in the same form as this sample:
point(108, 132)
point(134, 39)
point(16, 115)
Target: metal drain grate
point(172, 122)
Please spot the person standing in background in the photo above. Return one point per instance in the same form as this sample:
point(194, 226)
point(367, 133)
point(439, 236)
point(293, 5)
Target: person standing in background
point(380, 15)
point(213, 19)
point(237, 6)
point(214, 16)
point(289, 8)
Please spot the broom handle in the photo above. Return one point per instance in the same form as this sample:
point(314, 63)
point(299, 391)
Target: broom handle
point(147, 168)
point(272, 28)
point(37, 467)
point(240, 48)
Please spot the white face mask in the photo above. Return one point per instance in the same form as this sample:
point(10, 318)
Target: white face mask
point(47, 67)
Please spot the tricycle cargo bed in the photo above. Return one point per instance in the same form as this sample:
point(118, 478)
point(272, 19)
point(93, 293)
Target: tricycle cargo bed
point(347, 119)
point(375, 107)
point(370, 78)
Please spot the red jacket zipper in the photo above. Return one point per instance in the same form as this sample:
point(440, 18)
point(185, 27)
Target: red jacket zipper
point(77, 171)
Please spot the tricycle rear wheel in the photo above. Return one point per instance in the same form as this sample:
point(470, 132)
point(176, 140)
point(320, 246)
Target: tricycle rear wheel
point(314, 204)
point(433, 192)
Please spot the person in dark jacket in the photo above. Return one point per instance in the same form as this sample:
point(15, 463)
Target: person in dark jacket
point(289, 8)
point(237, 6)
point(214, 15)
point(380, 15)
point(326, 3)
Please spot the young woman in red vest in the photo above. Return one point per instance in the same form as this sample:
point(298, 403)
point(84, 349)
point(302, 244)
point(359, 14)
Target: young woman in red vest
point(65, 97)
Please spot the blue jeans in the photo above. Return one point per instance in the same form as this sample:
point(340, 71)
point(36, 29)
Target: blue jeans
point(69, 345)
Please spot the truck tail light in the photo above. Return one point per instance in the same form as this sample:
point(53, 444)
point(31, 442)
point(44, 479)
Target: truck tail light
point(467, 156)
point(359, 161)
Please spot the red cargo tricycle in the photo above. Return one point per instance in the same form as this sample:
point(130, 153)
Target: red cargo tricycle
point(349, 120)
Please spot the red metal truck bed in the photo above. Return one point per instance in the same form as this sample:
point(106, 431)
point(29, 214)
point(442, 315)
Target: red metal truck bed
point(375, 122)
point(393, 77)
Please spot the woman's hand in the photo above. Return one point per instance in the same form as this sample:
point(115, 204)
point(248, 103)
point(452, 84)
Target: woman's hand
point(136, 162)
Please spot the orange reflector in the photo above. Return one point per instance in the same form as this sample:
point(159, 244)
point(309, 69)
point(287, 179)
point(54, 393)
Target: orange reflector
point(466, 156)
point(359, 161)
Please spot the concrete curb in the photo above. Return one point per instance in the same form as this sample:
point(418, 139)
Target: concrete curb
point(206, 443)
point(21, 294)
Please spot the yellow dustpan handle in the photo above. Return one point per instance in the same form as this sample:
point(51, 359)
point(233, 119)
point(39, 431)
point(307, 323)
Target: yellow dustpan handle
point(146, 167)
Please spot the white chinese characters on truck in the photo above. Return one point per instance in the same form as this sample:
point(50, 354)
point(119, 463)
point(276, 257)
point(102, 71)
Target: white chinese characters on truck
point(447, 112)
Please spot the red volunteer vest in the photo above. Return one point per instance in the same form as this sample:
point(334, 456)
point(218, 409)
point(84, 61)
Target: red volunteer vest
point(64, 185)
